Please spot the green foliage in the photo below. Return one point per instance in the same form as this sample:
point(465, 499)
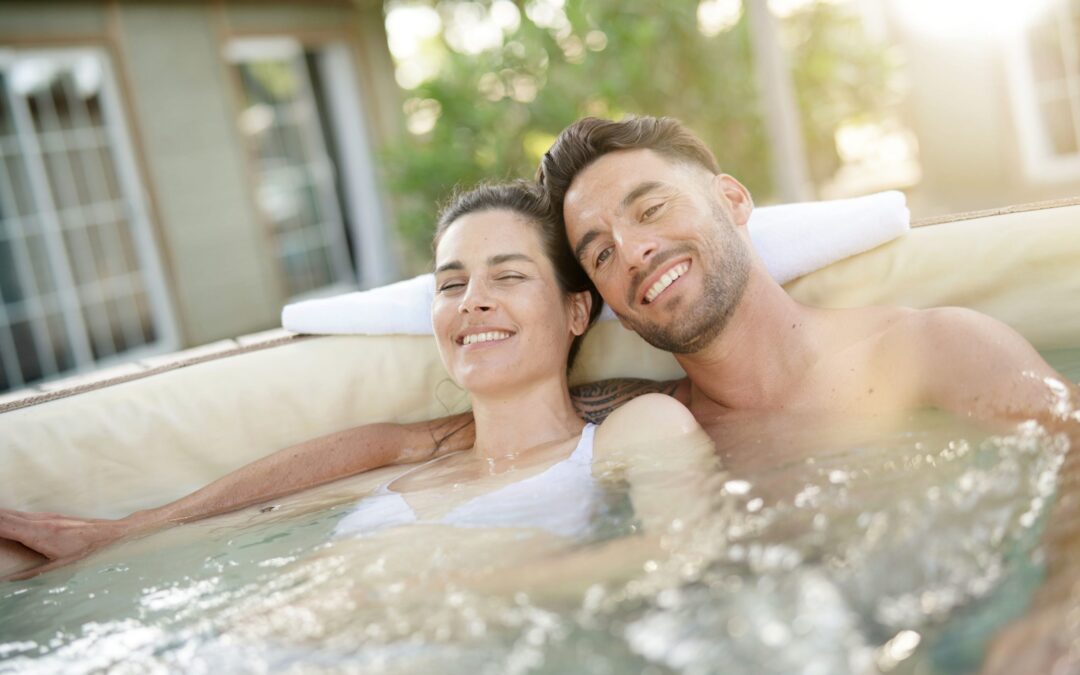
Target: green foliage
point(499, 110)
point(840, 76)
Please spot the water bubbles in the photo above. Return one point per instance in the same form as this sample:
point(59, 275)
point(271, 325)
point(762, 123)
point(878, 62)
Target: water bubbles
point(774, 634)
point(807, 497)
point(11, 648)
point(898, 649)
point(737, 487)
point(839, 477)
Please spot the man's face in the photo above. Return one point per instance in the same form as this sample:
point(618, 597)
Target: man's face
point(659, 240)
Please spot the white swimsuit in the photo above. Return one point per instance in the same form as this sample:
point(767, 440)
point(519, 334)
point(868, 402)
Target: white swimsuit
point(561, 499)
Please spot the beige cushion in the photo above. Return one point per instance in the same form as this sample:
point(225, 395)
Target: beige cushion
point(109, 451)
point(1022, 268)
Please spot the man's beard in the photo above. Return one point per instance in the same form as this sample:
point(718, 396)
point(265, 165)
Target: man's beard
point(725, 271)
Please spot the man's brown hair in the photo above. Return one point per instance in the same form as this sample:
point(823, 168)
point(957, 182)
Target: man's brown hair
point(590, 138)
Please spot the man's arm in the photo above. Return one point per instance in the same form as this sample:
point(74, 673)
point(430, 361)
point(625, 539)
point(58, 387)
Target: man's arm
point(976, 366)
point(305, 465)
point(596, 400)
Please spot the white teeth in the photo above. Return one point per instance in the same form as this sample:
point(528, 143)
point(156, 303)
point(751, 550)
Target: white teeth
point(666, 280)
point(485, 337)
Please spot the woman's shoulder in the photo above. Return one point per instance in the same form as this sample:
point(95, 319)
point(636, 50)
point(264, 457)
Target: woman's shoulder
point(650, 417)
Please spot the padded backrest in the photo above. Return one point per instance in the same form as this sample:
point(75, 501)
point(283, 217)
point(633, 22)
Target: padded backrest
point(147, 441)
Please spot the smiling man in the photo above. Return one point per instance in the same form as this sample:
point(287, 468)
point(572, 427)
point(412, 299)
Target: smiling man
point(662, 233)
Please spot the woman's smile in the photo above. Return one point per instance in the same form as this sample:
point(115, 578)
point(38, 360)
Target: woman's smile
point(483, 337)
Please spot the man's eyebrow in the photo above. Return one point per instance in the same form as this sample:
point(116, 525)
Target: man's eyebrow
point(641, 190)
point(630, 198)
point(579, 250)
point(452, 265)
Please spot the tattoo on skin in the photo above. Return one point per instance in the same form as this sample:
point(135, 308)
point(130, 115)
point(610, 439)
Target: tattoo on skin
point(596, 400)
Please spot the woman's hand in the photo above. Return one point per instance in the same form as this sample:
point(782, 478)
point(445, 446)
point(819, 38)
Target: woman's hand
point(61, 539)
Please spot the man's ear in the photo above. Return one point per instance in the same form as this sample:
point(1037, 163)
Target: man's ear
point(580, 306)
point(735, 195)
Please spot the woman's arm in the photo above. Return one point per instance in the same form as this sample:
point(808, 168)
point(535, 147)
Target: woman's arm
point(321, 460)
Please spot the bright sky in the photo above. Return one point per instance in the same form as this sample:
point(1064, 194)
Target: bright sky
point(969, 19)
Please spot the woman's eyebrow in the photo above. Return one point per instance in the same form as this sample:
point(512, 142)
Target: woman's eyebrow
point(452, 265)
point(509, 257)
point(492, 261)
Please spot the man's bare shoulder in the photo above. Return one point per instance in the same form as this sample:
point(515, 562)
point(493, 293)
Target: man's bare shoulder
point(649, 417)
point(946, 328)
point(967, 362)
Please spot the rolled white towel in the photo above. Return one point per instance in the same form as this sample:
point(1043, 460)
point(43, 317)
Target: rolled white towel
point(796, 239)
point(792, 240)
point(402, 308)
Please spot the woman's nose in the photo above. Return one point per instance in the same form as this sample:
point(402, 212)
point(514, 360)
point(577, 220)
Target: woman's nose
point(476, 298)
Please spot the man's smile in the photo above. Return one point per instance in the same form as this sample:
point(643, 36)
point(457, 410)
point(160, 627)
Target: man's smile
point(662, 279)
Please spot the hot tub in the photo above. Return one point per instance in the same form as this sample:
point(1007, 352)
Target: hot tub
point(818, 570)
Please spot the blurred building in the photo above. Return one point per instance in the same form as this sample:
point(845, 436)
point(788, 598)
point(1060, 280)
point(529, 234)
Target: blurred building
point(174, 172)
point(993, 99)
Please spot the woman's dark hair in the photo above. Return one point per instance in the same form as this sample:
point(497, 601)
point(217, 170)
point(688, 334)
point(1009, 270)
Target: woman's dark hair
point(528, 200)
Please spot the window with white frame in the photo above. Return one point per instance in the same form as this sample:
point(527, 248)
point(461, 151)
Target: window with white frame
point(1043, 64)
point(314, 175)
point(80, 281)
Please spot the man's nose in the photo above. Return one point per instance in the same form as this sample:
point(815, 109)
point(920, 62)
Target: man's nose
point(476, 298)
point(638, 248)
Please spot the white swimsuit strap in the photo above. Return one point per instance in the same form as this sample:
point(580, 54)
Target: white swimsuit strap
point(584, 450)
point(582, 453)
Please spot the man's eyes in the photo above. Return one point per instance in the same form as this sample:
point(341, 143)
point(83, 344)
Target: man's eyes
point(602, 256)
point(450, 286)
point(651, 211)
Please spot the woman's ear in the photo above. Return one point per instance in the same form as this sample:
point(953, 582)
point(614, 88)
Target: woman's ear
point(580, 306)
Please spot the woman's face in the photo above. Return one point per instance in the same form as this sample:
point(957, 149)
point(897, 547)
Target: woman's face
point(500, 319)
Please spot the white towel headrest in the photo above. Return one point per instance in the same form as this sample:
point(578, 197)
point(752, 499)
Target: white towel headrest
point(792, 240)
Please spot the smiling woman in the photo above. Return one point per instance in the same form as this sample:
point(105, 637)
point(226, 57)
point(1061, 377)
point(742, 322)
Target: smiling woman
point(506, 317)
